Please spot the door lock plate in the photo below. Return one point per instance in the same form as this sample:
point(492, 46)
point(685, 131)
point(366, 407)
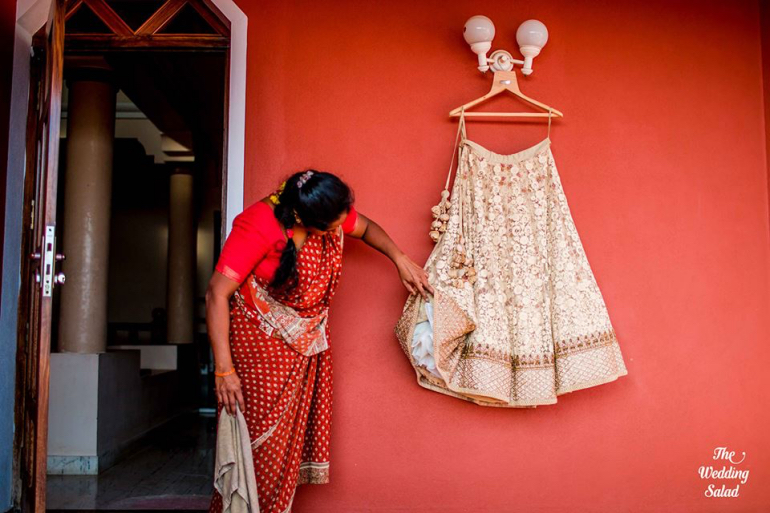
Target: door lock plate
point(49, 245)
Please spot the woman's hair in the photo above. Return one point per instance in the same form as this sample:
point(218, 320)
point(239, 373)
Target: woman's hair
point(320, 201)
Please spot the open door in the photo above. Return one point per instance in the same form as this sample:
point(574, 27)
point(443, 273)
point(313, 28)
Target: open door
point(39, 274)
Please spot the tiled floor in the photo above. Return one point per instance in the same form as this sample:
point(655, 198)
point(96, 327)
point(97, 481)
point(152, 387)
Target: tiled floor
point(173, 471)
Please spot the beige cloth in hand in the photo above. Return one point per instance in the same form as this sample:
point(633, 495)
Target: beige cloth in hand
point(234, 476)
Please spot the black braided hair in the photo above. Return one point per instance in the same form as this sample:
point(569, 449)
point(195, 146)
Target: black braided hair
point(319, 202)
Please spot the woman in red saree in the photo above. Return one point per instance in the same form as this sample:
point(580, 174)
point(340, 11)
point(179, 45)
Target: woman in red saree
point(267, 314)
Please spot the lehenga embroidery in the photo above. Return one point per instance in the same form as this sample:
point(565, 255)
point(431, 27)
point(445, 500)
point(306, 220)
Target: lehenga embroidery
point(518, 317)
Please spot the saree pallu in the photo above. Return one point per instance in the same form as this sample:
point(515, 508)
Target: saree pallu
point(280, 350)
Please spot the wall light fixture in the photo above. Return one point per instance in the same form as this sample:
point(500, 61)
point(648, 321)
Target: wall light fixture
point(479, 31)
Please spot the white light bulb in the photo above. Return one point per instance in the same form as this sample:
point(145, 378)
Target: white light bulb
point(532, 37)
point(532, 33)
point(479, 31)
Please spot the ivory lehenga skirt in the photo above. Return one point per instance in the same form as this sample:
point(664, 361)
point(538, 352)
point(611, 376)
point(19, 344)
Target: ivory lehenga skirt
point(517, 317)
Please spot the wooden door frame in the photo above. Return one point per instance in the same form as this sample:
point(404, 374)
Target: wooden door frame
point(31, 16)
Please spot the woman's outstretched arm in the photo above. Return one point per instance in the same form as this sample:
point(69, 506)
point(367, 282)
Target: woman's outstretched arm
point(413, 276)
point(218, 324)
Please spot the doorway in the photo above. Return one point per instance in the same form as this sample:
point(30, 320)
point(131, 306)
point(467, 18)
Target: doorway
point(146, 100)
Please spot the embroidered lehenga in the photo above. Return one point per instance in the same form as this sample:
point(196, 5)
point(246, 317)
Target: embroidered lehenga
point(517, 318)
point(280, 349)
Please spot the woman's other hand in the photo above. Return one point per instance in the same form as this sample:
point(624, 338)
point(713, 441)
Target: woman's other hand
point(413, 276)
point(220, 290)
point(229, 392)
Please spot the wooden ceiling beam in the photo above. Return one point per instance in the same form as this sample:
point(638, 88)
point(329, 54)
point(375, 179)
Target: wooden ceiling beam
point(70, 8)
point(211, 14)
point(161, 17)
point(147, 37)
point(110, 18)
point(95, 42)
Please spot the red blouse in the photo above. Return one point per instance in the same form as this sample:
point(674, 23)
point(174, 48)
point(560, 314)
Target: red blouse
point(256, 243)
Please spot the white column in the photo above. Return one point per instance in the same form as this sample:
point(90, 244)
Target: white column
point(181, 257)
point(87, 198)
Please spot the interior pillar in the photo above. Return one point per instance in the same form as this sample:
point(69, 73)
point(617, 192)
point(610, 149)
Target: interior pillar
point(181, 257)
point(87, 198)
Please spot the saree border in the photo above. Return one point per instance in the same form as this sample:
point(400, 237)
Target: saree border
point(312, 472)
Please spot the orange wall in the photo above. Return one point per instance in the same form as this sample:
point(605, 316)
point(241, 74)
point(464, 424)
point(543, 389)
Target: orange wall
point(662, 155)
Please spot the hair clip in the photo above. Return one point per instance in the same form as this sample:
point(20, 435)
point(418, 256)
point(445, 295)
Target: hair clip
point(304, 178)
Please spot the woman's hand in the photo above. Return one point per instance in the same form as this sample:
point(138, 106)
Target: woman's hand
point(413, 276)
point(218, 294)
point(229, 392)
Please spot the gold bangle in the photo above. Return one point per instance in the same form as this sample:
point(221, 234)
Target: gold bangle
point(223, 374)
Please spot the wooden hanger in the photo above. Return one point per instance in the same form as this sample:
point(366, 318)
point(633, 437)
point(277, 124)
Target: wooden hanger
point(506, 81)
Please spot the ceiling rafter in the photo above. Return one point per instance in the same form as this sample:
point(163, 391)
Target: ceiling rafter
point(148, 36)
point(109, 17)
point(161, 17)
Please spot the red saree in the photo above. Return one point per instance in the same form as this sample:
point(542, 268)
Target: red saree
point(280, 349)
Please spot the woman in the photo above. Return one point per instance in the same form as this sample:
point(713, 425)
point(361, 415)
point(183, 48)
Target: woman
point(266, 311)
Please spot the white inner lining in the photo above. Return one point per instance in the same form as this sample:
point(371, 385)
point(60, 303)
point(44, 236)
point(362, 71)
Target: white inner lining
point(422, 341)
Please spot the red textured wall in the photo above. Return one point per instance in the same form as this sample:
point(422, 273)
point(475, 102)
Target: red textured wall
point(662, 156)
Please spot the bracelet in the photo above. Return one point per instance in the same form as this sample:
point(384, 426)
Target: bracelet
point(223, 374)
